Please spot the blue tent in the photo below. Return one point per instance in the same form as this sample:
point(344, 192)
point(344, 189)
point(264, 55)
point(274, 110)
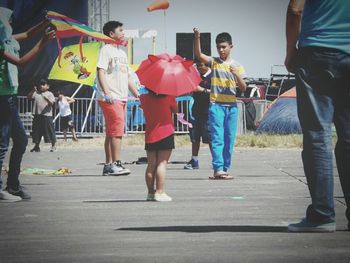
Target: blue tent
point(282, 116)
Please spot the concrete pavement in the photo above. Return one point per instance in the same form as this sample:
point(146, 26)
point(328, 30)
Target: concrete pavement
point(86, 217)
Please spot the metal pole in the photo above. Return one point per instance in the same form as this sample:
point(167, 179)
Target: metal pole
point(87, 112)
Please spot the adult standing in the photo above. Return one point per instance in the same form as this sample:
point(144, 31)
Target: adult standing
point(10, 122)
point(318, 51)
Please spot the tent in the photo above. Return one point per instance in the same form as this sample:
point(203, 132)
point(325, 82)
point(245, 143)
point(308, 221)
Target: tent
point(281, 117)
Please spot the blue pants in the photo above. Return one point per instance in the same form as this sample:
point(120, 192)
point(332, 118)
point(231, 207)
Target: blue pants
point(11, 127)
point(223, 126)
point(323, 97)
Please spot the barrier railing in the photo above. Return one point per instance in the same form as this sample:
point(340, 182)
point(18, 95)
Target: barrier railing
point(89, 120)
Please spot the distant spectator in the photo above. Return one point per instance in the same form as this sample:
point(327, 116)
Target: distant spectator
point(66, 115)
point(43, 105)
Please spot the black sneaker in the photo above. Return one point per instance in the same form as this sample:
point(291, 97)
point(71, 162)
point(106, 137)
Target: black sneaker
point(20, 191)
point(192, 164)
point(35, 149)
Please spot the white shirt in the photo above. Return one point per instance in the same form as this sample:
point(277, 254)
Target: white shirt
point(64, 107)
point(115, 62)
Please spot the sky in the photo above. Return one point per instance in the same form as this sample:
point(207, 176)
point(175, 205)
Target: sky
point(257, 28)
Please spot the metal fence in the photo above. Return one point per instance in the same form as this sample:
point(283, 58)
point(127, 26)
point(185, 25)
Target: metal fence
point(89, 120)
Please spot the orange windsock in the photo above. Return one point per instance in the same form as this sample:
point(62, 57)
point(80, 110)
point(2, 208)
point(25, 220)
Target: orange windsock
point(157, 5)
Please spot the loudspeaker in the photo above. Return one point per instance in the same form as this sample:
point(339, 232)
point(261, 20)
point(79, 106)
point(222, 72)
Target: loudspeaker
point(185, 41)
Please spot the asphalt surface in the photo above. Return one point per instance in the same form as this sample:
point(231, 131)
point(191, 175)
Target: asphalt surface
point(86, 217)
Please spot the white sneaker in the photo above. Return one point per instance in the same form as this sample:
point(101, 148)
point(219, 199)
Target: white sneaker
point(6, 197)
point(163, 197)
point(118, 169)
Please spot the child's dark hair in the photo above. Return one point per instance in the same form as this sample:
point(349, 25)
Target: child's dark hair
point(42, 82)
point(110, 26)
point(223, 37)
point(59, 92)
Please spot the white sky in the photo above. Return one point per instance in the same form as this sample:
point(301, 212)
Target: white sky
point(257, 27)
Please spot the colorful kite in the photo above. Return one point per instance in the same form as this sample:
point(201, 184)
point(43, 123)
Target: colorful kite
point(68, 27)
point(77, 69)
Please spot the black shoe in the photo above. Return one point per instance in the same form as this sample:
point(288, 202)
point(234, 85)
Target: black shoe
point(35, 149)
point(20, 191)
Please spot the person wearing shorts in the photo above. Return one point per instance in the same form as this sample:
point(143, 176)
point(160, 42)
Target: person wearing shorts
point(200, 130)
point(113, 83)
point(159, 141)
point(66, 115)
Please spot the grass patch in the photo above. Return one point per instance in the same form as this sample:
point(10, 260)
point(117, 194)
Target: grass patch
point(269, 141)
point(249, 140)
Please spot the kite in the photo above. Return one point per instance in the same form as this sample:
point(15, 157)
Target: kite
point(68, 27)
point(74, 68)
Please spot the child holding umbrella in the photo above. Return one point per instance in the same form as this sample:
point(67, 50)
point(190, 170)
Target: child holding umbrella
point(159, 141)
point(165, 76)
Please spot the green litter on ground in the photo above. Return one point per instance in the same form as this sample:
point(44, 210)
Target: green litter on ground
point(41, 171)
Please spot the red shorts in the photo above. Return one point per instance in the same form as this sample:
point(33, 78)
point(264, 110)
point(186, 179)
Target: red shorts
point(114, 115)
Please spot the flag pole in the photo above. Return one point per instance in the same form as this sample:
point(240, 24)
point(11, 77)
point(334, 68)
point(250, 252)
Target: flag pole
point(88, 111)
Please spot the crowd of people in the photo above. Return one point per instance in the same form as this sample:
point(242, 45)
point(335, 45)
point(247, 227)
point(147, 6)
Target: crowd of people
point(318, 52)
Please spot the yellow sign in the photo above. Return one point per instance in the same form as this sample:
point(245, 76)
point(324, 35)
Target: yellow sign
point(75, 68)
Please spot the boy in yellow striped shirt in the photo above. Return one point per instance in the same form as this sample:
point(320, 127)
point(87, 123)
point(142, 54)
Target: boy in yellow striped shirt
point(228, 74)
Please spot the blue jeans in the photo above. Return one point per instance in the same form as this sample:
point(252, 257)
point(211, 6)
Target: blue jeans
point(11, 127)
point(223, 126)
point(323, 97)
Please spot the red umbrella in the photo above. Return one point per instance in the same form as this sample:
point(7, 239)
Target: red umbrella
point(168, 74)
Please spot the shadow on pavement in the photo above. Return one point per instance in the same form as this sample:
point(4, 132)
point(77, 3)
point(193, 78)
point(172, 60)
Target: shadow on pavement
point(114, 201)
point(207, 229)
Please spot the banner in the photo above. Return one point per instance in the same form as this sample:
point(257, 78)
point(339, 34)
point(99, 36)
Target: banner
point(74, 68)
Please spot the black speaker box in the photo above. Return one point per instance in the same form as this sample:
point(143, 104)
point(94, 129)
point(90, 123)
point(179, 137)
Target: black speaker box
point(185, 41)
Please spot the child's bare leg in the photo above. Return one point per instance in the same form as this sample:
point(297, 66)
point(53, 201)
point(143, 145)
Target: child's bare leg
point(65, 135)
point(150, 174)
point(116, 146)
point(108, 150)
point(74, 135)
point(162, 160)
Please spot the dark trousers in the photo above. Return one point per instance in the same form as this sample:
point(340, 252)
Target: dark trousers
point(11, 127)
point(323, 97)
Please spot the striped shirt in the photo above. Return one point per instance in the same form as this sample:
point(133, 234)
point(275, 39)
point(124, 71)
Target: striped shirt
point(223, 83)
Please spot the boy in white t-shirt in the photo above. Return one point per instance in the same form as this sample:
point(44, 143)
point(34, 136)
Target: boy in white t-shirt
point(66, 115)
point(113, 83)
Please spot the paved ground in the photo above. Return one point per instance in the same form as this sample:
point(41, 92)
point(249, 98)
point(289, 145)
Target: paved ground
point(86, 217)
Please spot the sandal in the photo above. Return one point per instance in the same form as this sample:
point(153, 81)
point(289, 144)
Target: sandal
point(221, 177)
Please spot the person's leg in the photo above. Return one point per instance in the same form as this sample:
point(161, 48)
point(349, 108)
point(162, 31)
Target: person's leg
point(315, 89)
point(150, 174)
point(65, 134)
point(107, 147)
point(74, 134)
point(5, 130)
point(51, 132)
point(216, 120)
point(195, 148)
point(36, 133)
point(20, 141)
point(162, 160)
point(116, 146)
point(342, 123)
point(230, 135)
point(195, 144)
point(342, 152)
